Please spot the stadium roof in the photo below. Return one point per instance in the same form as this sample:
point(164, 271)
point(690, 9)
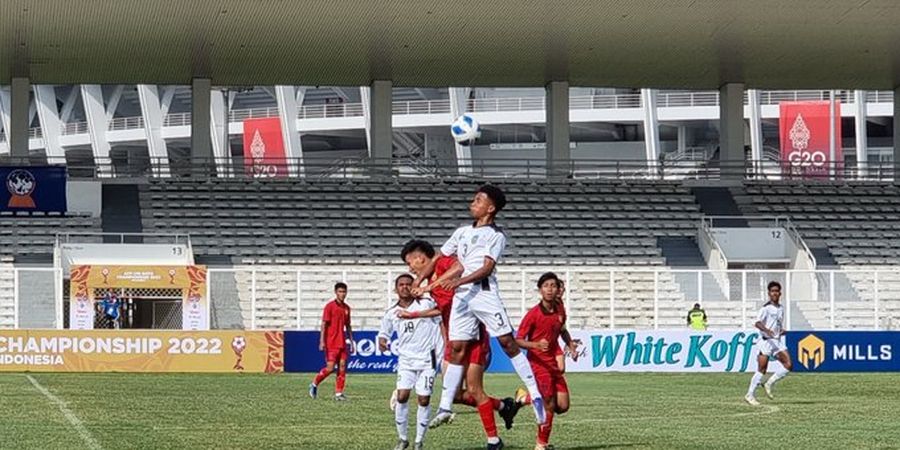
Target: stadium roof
point(628, 43)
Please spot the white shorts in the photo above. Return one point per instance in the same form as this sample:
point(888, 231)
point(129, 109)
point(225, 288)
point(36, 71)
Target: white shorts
point(770, 347)
point(422, 380)
point(473, 305)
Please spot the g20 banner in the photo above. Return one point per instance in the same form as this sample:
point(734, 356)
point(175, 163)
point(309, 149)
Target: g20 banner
point(665, 351)
point(805, 136)
point(845, 351)
point(301, 353)
point(141, 351)
point(33, 189)
point(264, 148)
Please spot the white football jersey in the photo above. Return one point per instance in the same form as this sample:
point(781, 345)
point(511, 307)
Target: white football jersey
point(772, 317)
point(472, 244)
point(419, 341)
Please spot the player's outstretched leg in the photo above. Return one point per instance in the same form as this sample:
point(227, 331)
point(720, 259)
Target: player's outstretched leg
point(523, 369)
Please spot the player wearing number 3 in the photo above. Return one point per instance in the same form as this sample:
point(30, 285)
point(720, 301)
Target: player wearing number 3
point(418, 340)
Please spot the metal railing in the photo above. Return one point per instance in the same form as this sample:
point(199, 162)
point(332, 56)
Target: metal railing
point(481, 168)
point(291, 297)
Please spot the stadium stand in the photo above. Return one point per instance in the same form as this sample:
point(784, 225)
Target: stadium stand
point(357, 223)
point(858, 224)
point(33, 236)
point(7, 293)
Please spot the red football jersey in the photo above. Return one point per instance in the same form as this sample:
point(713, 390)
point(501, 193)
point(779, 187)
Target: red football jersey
point(541, 324)
point(336, 317)
point(441, 296)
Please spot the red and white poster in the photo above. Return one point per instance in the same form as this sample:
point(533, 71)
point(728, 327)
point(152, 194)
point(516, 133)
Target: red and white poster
point(805, 136)
point(264, 148)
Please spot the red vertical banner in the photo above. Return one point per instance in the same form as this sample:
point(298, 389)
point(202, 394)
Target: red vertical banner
point(805, 137)
point(264, 148)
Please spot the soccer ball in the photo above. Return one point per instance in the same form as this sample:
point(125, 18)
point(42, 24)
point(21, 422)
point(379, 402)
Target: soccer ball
point(465, 129)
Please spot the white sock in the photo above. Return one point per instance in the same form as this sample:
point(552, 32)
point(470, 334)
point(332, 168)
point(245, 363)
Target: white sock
point(402, 422)
point(779, 374)
point(422, 417)
point(523, 368)
point(450, 384)
point(754, 383)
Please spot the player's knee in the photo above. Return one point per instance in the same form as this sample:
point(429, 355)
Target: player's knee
point(510, 347)
point(402, 396)
point(561, 407)
point(789, 365)
point(424, 401)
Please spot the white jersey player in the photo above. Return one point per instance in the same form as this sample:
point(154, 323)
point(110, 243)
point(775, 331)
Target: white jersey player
point(419, 342)
point(478, 248)
point(770, 323)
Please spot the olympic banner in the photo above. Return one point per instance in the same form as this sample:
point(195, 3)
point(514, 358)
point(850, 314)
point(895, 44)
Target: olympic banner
point(264, 155)
point(88, 280)
point(302, 354)
point(805, 136)
point(141, 351)
point(845, 351)
point(40, 189)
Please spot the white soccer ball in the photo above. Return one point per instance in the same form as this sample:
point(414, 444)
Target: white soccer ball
point(465, 129)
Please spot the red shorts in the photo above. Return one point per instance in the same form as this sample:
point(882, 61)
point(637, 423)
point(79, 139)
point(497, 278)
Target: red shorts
point(550, 382)
point(336, 354)
point(479, 351)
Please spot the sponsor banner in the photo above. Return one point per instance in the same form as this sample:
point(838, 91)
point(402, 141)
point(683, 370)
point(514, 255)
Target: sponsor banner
point(844, 351)
point(805, 137)
point(665, 351)
point(33, 189)
point(601, 351)
point(141, 351)
point(302, 354)
point(88, 280)
point(264, 148)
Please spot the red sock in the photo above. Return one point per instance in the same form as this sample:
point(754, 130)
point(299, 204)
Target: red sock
point(468, 400)
point(323, 374)
point(486, 411)
point(527, 400)
point(341, 379)
point(495, 403)
point(543, 435)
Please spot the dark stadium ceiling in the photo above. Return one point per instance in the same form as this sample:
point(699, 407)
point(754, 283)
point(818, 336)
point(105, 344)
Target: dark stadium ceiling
point(675, 44)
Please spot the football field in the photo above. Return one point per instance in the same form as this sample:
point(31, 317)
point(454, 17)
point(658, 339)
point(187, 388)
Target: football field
point(114, 411)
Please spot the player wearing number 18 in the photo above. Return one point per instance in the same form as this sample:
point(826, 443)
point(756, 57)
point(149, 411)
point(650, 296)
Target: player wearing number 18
point(418, 341)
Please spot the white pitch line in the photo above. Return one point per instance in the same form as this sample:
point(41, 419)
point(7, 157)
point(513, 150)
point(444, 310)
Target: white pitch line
point(70, 416)
point(761, 410)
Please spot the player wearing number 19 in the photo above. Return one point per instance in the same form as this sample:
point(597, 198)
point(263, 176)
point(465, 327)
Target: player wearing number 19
point(418, 340)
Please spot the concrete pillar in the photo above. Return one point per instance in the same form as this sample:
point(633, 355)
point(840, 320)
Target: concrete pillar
point(651, 130)
point(557, 126)
point(862, 143)
point(17, 136)
point(201, 138)
point(897, 135)
point(731, 130)
point(381, 147)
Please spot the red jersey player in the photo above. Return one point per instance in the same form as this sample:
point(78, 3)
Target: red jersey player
point(418, 254)
point(539, 333)
point(333, 341)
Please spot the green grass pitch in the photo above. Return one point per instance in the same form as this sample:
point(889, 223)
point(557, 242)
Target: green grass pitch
point(144, 411)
